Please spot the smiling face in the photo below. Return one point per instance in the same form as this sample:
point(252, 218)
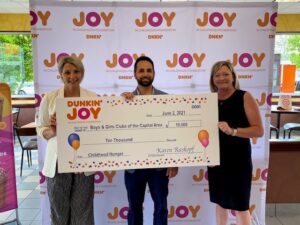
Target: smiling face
point(144, 73)
point(71, 76)
point(223, 79)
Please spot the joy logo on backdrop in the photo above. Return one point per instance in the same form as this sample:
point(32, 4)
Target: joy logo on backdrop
point(54, 58)
point(260, 174)
point(124, 60)
point(93, 19)
point(42, 177)
point(264, 98)
point(183, 211)
point(200, 176)
point(269, 99)
point(118, 213)
point(180, 212)
point(186, 60)
point(267, 19)
point(248, 59)
point(155, 19)
point(102, 176)
point(216, 19)
point(39, 16)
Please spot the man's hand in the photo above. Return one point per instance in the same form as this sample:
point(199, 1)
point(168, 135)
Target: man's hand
point(128, 96)
point(172, 171)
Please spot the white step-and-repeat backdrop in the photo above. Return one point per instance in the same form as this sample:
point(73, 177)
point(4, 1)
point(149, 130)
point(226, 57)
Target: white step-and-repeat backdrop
point(184, 40)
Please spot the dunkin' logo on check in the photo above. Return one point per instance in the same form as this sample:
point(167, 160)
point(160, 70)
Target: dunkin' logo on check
point(84, 109)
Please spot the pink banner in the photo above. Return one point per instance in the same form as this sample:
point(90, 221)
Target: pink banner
point(8, 192)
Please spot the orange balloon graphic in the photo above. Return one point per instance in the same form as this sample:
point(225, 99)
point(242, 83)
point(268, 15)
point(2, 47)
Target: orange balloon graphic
point(203, 134)
point(76, 144)
point(203, 137)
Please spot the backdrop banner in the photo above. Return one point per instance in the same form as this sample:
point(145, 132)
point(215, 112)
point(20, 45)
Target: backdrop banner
point(184, 39)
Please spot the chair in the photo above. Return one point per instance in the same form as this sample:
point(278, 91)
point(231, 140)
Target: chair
point(272, 128)
point(27, 144)
point(15, 113)
point(289, 127)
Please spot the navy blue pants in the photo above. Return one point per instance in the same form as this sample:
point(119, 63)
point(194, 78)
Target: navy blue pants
point(135, 183)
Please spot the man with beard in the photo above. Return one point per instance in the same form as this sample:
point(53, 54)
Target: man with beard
point(157, 179)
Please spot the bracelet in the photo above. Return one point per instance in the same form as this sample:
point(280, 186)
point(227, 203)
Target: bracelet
point(234, 132)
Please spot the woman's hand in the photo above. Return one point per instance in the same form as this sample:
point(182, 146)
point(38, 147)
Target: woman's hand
point(128, 96)
point(53, 123)
point(172, 171)
point(50, 132)
point(224, 127)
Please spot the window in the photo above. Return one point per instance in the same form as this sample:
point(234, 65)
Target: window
point(287, 51)
point(16, 66)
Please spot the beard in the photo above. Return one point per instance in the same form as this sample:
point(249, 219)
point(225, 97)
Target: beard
point(145, 82)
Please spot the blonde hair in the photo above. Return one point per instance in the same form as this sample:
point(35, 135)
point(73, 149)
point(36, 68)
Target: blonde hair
point(72, 60)
point(216, 67)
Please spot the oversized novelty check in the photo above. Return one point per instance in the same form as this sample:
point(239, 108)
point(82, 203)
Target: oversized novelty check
point(111, 133)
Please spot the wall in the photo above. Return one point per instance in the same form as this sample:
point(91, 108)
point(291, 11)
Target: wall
point(14, 22)
point(289, 23)
point(283, 177)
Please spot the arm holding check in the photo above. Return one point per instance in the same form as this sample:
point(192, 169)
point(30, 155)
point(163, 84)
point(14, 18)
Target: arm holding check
point(171, 171)
point(159, 130)
point(152, 135)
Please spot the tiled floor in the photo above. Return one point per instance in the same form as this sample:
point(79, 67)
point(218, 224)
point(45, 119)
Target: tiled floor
point(283, 214)
point(28, 192)
point(29, 200)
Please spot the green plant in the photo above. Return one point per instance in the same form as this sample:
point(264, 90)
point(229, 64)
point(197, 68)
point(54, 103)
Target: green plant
point(16, 60)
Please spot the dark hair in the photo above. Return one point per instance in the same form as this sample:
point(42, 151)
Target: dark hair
point(143, 58)
point(216, 67)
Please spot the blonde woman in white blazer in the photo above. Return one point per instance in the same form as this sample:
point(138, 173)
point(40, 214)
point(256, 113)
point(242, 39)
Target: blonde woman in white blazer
point(70, 194)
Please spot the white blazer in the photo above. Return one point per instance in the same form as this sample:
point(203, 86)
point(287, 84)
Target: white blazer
point(47, 108)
